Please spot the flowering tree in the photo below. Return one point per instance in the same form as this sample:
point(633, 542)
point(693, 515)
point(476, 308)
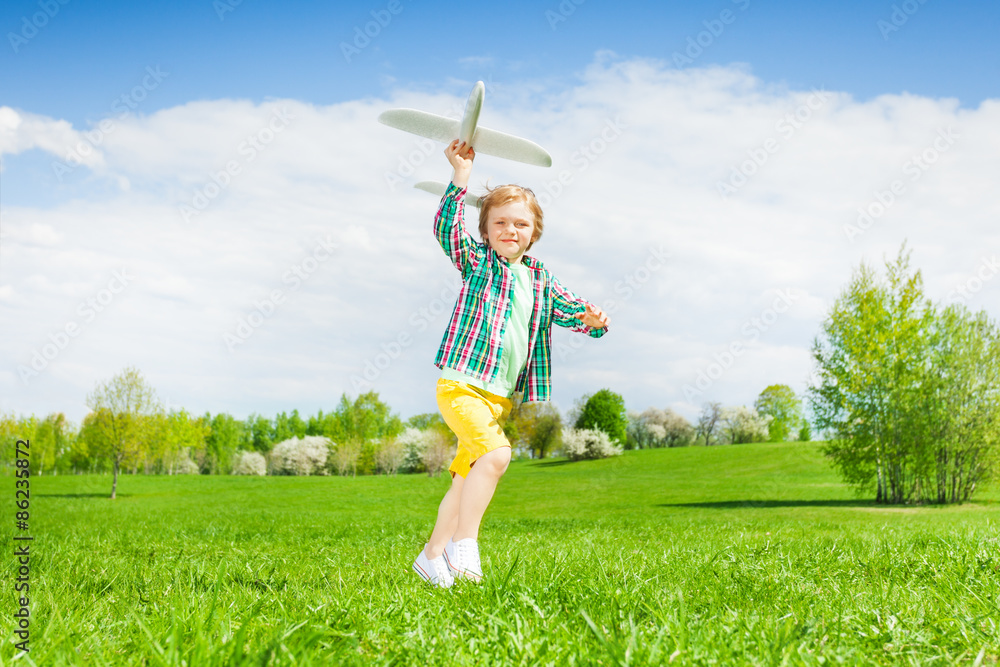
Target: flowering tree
point(659, 428)
point(585, 443)
point(300, 456)
point(249, 463)
point(413, 440)
point(742, 424)
point(390, 454)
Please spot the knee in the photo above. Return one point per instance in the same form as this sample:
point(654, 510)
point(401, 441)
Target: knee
point(497, 460)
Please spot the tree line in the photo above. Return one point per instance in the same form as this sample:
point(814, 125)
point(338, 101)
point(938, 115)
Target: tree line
point(906, 394)
point(128, 431)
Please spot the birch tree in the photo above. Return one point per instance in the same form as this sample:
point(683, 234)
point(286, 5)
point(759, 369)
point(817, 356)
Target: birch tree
point(910, 392)
point(708, 422)
point(123, 412)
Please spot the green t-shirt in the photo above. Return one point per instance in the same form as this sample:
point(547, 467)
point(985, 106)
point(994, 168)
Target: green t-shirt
point(514, 346)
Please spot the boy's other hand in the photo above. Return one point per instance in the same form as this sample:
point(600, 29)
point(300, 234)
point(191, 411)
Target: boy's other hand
point(460, 155)
point(594, 317)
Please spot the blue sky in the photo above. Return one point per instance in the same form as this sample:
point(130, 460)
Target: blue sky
point(875, 86)
point(89, 53)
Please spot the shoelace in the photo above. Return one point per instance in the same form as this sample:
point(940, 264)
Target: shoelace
point(468, 555)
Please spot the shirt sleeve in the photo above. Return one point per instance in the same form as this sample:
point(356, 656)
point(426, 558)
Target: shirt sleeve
point(565, 305)
point(450, 232)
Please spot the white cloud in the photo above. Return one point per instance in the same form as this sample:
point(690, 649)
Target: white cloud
point(641, 149)
point(21, 131)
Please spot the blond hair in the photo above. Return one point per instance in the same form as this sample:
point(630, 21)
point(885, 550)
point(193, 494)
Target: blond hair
point(503, 195)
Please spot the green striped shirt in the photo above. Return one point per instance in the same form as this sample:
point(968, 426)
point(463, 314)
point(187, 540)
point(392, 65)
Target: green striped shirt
point(473, 343)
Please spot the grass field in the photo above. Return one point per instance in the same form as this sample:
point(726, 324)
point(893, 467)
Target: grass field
point(751, 554)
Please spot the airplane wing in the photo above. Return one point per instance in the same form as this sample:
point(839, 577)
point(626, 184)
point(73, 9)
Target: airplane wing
point(422, 123)
point(446, 130)
point(438, 189)
point(508, 146)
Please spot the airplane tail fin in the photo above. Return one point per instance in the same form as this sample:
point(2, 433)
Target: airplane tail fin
point(436, 188)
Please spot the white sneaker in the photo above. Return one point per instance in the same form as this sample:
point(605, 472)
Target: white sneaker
point(462, 558)
point(434, 571)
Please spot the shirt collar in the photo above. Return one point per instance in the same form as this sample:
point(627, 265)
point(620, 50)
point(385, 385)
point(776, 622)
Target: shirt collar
point(526, 260)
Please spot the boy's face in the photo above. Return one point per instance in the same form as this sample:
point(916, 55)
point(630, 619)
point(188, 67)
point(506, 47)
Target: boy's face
point(511, 228)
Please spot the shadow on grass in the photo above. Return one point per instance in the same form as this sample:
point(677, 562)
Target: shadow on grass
point(751, 504)
point(80, 495)
point(549, 464)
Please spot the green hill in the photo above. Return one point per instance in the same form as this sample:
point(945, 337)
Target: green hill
point(750, 554)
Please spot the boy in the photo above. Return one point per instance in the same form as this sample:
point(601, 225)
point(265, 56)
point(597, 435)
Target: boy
point(498, 342)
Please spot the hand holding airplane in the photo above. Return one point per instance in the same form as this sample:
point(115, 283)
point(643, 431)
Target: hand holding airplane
point(467, 131)
point(460, 155)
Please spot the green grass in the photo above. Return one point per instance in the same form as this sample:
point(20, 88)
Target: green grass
point(752, 554)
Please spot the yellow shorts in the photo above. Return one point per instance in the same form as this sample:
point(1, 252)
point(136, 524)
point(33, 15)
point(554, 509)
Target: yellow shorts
point(476, 417)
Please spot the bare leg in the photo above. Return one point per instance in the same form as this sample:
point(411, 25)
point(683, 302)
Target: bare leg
point(447, 520)
point(477, 492)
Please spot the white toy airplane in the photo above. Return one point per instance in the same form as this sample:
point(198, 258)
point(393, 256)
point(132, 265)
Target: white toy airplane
point(482, 139)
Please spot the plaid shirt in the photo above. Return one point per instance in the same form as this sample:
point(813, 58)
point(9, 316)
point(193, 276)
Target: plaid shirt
point(472, 340)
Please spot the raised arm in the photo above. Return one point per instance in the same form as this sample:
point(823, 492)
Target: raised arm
point(460, 156)
point(449, 229)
